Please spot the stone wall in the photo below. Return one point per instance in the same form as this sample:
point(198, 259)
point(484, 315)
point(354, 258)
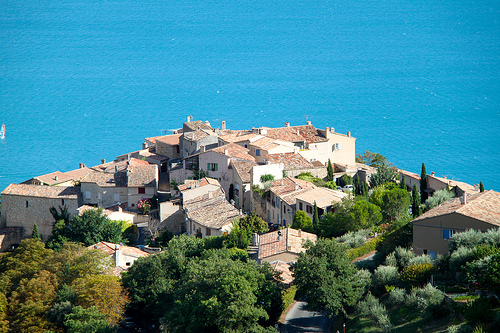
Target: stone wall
point(23, 212)
point(172, 217)
point(10, 236)
point(259, 206)
point(165, 149)
point(319, 172)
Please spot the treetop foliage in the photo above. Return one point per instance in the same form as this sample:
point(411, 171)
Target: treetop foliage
point(371, 159)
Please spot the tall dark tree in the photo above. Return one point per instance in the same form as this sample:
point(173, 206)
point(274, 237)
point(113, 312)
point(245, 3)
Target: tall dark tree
point(423, 184)
point(35, 234)
point(364, 188)
point(402, 183)
point(329, 171)
point(481, 187)
point(415, 201)
point(315, 220)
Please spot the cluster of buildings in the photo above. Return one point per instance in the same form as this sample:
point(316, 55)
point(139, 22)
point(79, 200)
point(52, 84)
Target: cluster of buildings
point(201, 179)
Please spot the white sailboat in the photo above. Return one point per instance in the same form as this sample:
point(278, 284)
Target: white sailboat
point(2, 132)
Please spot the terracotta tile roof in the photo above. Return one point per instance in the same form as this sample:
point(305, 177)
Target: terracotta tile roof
point(62, 177)
point(106, 211)
point(211, 212)
point(291, 161)
point(142, 175)
point(409, 174)
point(317, 164)
point(483, 206)
point(133, 173)
point(323, 196)
point(305, 133)
point(153, 139)
point(289, 188)
point(42, 191)
point(110, 248)
point(243, 169)
point(192, 183)
point(264, 143)
point(106, 179)
point(196, 135)
point(172, 139)
point(452, 183)
point(291, 241)
point(238, 136)
point(78, 174)
point(198, 124)
point(284, 270)
point(234, 151)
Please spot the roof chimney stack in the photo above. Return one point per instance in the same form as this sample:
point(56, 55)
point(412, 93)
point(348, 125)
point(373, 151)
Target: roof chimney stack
point(81, 165)
point(287, 124)
point(433, 173)
point(226, 151)
point(202, 149)
point(57, 177)
point(188, 120)
point(349, 134)
point(308, 122)
point(103, 161)
point(223, 126)
point(464, 199)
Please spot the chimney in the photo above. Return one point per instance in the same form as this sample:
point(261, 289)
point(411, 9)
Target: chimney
point(226, 151)
point(296, 187)
point(299, 233)
point(223, 126)
point(81, 165)
point(433, 173)
point(207, 122)
point(103, 161)
point(327, 130)
point(444, 177)
point(287, 124)
point(128, 156)
point(202, 149)
point(119, 207)
point(144, 145)
point(463, 200)
point(117, 255)
point(349, 134)
point(116, 168)
point(188, 120)
point(332, 130)
point(56, 177)
point(308, 122)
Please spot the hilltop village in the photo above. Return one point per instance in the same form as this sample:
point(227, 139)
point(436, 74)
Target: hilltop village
point(291, 187)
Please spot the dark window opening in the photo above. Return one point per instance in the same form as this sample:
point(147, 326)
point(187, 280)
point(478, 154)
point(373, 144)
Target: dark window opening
point(142, 190)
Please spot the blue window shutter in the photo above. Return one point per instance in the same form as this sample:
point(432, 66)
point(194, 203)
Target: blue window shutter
point(446, 234)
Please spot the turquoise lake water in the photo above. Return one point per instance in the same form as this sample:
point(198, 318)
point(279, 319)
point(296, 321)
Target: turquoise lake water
point(416, 81)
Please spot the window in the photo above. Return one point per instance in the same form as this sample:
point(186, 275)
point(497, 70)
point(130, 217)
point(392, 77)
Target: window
point(209, 232)
point(309, 209)
point(141, 190)
point(178, 149)
point(117, 197)
point(425, 251)
point(300, 206)
point(432, 254)
point(336, 146)
point(447, 234)
point(87, 194)
point(278, 218)
point(27, 204)
point(62, 201)
point(257, 152)
point(212, 166)
point(246, 146)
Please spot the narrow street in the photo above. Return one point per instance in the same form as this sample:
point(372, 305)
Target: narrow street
point(299, 319)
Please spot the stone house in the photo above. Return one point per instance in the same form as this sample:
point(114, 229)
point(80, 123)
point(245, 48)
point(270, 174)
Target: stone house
point(435, 183)
point(410, 179)
point(123, 257)
point(58, 178)
point(294, 164)
point(209, 214)
point(242, 188)
point(120, 182)
point(281, 201)
point(265, 146)
point(324, 198)
point(433, 229)
point(24, 205)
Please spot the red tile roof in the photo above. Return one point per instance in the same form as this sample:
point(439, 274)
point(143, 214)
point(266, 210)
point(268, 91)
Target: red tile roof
point(305, 133)
point(291, 161)
point(483, 206)
point(172, 139)
point(243, 169)
point(234, 151)
point(211, 210)
point(192, 183)
point(291, 241)
point(110, 248)
point(289, 188)
point(42, 191)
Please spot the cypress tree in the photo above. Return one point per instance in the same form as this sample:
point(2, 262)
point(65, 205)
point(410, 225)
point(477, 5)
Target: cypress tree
point(329, 170)
point(423, 184)
point(415, 201)
point(315, 216)
point(481, 187)
point(364, 188)
point(402, 183)
point(35, 234)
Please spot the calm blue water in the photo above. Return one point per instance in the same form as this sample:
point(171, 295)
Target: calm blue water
point(417, 81)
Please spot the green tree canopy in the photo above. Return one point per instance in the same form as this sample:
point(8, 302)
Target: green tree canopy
point(87, 320)
point(415, 201)
point(385, 173)
point(438, 198)
point(253, 223)
point(395, 204)
point(423, 184)
point(326, 278)
point(89, 228)
point(345, 180)
point(302, 221)
point(329, 171)
point(371, 159)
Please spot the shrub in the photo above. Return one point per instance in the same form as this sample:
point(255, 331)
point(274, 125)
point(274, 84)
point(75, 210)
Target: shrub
point(266, 178)
point(397, 296)
point(354, 239)
point(385, 275)
point(288, 295)
point(144, 205)
point(460, 257)
point(480, 311)
point(423, 259)
point(438, 198)
point(426, 298)
point(469, 238)
point(400, 258)
point(417, 274)
point(459, 329)
point(371, 307)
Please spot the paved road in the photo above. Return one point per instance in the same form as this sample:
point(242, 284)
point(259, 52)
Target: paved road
point(299, 319)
